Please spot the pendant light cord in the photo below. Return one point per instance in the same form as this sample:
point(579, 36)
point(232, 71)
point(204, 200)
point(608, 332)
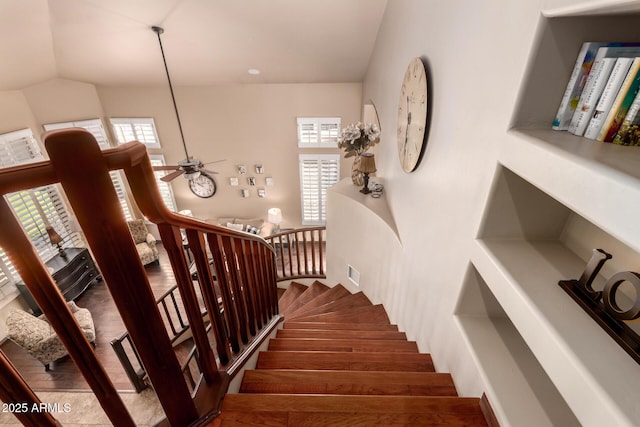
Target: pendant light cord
point(158, 31)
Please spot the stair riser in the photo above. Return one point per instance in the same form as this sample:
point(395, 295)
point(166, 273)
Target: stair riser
point(404, 362)
point(286, 344)
point(310, 333)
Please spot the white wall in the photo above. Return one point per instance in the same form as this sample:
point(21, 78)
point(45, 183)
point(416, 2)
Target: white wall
point(477, 53)
point(244, 124)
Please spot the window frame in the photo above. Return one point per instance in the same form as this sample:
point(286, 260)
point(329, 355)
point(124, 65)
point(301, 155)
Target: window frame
point(319, 198)
point(320, 140)
point(133, 122)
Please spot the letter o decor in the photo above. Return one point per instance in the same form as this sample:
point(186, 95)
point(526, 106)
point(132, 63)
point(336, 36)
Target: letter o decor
point(609, 295)
point(602, 305)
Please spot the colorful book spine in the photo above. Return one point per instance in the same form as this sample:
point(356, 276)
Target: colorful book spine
point(622, 103)
point(629, 132)
point(576, 83)
point(608, 96)
point(593, 88)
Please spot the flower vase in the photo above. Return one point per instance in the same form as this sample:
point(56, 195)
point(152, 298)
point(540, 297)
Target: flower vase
point(356, 176)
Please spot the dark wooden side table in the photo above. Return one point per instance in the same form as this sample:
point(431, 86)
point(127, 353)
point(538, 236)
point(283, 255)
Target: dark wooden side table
point(73, 275)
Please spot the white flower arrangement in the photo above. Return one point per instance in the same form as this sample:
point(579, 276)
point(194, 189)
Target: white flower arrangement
point(356, 139)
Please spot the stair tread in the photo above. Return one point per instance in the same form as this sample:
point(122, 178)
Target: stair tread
point(356, 361)
point(373, 314)
point(350, 403)
point(347, 345)
point(345, 303)
point(341, 334)
point(295, 324)
point(333, 294)
point(294, 290)
point(349, 382)
point(341, 419)
point(314, 290)
point(338, 361)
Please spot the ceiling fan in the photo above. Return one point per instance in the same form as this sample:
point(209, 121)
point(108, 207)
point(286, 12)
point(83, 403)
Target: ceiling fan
point(200, 181)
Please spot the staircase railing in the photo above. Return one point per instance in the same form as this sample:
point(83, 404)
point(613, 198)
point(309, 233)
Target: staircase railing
point(300, 253)
point(245, 272)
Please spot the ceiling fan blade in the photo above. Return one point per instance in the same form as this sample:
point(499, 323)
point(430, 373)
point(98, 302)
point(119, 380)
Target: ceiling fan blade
point(215, 161)
point(173, 175)
point(166, 168)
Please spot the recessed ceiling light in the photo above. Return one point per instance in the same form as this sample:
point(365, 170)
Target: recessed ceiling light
point(253, 71)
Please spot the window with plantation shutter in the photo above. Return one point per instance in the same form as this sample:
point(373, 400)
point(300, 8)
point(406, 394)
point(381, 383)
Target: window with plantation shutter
point(144, 130)
point(317, 173)
point(164, 187)
point(318, 132)
point(136, 129)
point(35, 208)
point(97, 130)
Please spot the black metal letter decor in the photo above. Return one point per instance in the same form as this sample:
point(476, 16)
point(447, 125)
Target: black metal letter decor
point(602, 305)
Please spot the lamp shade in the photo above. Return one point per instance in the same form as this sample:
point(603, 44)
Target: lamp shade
point(275, 215)
point(367, 163)
point(54, 237)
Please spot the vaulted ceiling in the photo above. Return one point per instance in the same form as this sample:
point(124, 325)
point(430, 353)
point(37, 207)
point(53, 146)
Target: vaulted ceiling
point(110, 42)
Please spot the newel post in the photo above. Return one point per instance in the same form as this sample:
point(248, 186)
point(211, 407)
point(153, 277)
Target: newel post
point(84, 175)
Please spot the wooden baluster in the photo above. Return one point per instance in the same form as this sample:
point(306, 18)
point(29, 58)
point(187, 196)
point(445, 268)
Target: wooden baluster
point(306, 255)
point(14, 390)
point(216, 247)
point(297, 246)
point(289, 253)
point(321, 239)
point(205, 279)
point(172, 242)
point(313, 252)
point(257, 281)
point(83, 173)
point(248, 285)
point(236, 287)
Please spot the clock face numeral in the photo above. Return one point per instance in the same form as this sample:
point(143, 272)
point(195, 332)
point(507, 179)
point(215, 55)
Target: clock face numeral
point(412, 115)
point(203, 186)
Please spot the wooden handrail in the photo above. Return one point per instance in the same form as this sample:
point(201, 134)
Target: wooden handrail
point(249, 296)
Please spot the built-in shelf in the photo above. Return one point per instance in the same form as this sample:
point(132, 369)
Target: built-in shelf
point(555, 197)
point(528, 397)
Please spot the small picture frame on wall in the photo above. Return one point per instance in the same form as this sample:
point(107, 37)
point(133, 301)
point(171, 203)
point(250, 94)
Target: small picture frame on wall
point(262, 192)
point(259, 169)
point(242, 169)
point(269, 181)
point(251, 180)
point(244, 192)
point(233, 181)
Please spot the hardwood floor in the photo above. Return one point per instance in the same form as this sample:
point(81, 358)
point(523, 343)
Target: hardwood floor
point(64, 375)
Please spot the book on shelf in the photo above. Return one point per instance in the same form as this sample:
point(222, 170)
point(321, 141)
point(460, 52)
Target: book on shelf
point(629, 132)
point(589, 53)
point(622, 103)
point(608, 96)
point(576, 83)
point(593, 88)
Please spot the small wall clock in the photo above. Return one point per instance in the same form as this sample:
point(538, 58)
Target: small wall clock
point(203, 186)
point(412, 115)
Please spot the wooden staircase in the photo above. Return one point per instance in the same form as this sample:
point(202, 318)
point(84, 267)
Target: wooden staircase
point(338, 361)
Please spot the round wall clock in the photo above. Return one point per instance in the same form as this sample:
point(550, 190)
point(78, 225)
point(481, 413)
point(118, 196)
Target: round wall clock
point(203, 186)
point(412, 115)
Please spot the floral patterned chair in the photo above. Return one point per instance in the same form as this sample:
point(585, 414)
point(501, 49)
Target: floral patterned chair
point(38, 338)
point(145, 242)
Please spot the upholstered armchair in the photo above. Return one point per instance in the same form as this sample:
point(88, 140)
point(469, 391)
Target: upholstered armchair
point(38, 338)
point(145, 242)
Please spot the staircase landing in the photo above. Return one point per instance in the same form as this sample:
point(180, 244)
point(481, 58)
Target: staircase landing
point(338, 361)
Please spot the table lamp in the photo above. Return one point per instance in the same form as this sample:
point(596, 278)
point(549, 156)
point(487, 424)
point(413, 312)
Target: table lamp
point(367, 166)
point(275, 218)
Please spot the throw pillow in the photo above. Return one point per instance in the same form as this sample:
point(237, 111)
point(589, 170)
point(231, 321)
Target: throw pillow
point(251, 229)
point(237, 227)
